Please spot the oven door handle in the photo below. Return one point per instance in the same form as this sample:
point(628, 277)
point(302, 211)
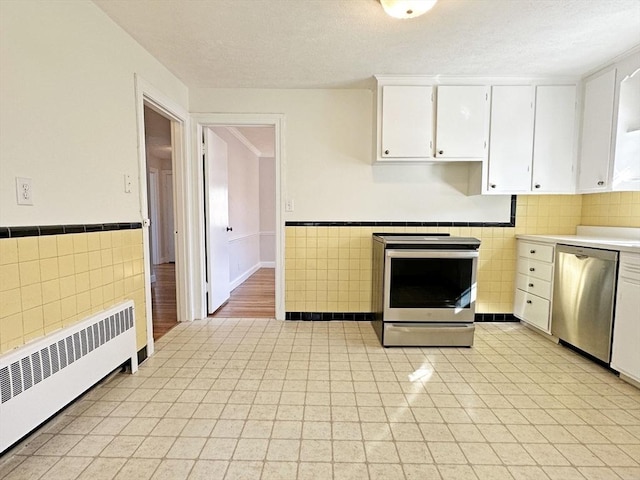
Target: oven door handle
point(417, 253)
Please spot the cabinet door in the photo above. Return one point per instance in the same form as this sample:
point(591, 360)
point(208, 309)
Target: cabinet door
point(510, 139)
point(407, 122)
point(597, 119)
point(461, 122)
point(626, 164)
point(553, 141)
point(625, 354)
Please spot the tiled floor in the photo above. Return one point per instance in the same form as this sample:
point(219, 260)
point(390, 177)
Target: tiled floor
point(263, 399)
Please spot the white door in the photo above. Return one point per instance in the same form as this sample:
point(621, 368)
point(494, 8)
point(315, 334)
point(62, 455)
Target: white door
point(553, 155)
point(510, 139)
point(461, 122)
point(217, 219)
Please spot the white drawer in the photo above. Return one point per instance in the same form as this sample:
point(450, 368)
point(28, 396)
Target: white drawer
point(537, 251)
point(533, 268)
point(536, 286)
point(532, 309)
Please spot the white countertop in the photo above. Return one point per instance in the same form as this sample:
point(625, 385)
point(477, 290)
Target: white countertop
point(610, 238)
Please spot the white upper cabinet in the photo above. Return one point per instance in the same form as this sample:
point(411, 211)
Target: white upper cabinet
point(626, 165)
point(597, 127)
point(511, 139)
point(532, 138)
point(461, 122)
point(406, 128)
point(554, 139)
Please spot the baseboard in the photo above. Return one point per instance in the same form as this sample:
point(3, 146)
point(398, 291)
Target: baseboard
point(243, 278)
point(267, 264)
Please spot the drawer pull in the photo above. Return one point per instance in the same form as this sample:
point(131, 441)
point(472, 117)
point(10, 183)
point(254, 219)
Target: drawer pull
point(532, 252)
point(529, 302)
point(531, 269)
point(530, 285)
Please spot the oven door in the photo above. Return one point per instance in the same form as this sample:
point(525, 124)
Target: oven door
point(422, 285)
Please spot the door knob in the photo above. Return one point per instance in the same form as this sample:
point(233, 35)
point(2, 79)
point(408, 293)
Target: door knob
point(229, 229)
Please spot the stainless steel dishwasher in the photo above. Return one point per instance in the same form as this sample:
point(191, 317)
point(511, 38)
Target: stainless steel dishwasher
point(584, 289)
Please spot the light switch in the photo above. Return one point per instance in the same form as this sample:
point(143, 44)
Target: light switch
point(288, 205)
point(24, 191)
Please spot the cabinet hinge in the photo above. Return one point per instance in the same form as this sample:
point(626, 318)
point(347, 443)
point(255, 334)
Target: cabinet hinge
point(486, 97)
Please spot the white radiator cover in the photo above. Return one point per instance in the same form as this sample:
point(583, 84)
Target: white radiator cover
point(43, 376)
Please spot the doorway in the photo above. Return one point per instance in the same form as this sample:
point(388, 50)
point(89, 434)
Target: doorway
point(240, 220)
point(159, 165)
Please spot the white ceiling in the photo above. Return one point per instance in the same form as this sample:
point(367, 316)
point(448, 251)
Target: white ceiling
point(342, 43)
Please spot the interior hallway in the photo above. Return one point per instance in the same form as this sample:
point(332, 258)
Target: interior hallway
point(163, 299)
point(264, 399)
point(254, 298)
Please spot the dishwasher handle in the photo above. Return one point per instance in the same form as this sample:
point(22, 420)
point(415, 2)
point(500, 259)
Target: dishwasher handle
point(585, 252)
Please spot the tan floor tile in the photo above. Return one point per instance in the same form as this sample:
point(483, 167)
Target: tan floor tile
point(350, 471)
point(219, 449)
point(278, 471)
point(315, 451)
point(102, 469)
point(315, 471)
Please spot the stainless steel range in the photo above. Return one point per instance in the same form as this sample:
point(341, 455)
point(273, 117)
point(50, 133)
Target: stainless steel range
point(424, 289)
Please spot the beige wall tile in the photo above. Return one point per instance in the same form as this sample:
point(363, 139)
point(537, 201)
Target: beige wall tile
point(50, 282)
point(29, 272)
point(8, 251)
point(28, 249)
point(9, 277)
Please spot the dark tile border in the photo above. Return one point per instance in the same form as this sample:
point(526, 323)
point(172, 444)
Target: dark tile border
point(495, 317)
point(368, 316)
point(42, 230)
point(510, 223)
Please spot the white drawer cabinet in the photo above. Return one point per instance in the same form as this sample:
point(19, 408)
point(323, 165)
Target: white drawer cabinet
point(625, 355)
point(534, 284)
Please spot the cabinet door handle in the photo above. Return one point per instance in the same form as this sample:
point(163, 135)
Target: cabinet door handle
point(532, 252)
point(531, 269)
point(531, 285)
point(493, 185)
point(537, 185)
point(440, 152)
point(386, 152)
point(529, 302)
point(600, 183)
point(229, 229)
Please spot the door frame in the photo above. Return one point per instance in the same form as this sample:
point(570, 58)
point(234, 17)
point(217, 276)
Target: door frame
point(154, 211)
point(147, 94)
point(204, 120)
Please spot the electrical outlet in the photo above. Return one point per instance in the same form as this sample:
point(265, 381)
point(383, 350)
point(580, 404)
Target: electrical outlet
point(24, 191)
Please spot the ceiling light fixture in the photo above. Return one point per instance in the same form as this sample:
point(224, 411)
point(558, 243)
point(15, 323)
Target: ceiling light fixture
point(407, 8)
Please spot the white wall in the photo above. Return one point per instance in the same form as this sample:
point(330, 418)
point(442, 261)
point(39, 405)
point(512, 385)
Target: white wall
point(327, 155)
point(244, 208)
point(267, 167)
point(68, 118)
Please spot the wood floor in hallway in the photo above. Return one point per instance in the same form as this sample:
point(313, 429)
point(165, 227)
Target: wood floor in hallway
point(255, 298)
point(163, 299)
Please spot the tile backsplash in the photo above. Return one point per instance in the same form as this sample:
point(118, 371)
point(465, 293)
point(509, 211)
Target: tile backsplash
point(614, 209)
point(49, 282)
point(328, 269)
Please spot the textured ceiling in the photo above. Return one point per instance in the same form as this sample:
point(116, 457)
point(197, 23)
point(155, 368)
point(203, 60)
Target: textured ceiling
point(342, 43)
